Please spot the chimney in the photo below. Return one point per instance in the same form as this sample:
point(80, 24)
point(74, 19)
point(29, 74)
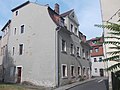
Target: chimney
point(84, 38)
point(56, 8)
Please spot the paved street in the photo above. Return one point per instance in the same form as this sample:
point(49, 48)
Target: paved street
point(98, 84)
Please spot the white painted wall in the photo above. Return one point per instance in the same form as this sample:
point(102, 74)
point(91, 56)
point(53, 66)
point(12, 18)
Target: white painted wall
point(98, 65)
point(38, 59)
point(108, 10)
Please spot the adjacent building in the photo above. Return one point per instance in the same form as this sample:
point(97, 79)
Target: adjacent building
point(111, 13)
point(44, 47)
point(97, 55)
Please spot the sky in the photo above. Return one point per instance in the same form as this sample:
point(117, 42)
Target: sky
point(87, 11)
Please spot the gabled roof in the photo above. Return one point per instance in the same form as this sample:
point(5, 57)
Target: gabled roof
point(66, 13)
point(55, 17)
point(20, 6)
point(9, 21)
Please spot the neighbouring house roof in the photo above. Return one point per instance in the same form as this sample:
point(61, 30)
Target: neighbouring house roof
point(20, 6)
point(99, 41)
point(66, 13)
point(55, 17)
point(9, 21)
point(85, 44)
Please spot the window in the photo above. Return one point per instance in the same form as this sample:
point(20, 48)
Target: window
point(14, 31)
point(94, 42)
point(88, 72)
point(13, 50)
point(96, 49)
point(20, 49)
point(79, 71)
point(95, 70)
point(64, 70)
point(95, 60)
point(71, 27)
point(100, 59)
point(90, 51)
point(87, 54)
point(72, 49)
point(75, 31)
point(83, 51)
point(78, 51)
point(22, 28)
point(84, 71)
point(16, 13)
point(63, 45)
point(72, 70)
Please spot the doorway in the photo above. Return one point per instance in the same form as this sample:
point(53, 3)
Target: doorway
point(101, 72)
point(19, 74)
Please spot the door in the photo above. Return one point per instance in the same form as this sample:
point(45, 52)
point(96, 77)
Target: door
point(18, 74)
point(101, 72)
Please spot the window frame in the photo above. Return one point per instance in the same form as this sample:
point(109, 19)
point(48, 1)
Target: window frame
point(71, 27)
point(22, 29)
point(76, 31)
point(96, 71)
point(15, 31)
point(13, 50)
point(78, 51)
point(21, 52)
point(84, 71)
point(66, 71)
point(63, 49)
point(100, 59)
point(95, 59)
point(72, 70)
point(96, 49)
point(16, 13)
point(72, 51)
point(79, 71)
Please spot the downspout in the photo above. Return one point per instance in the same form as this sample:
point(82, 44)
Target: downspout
point(57, 55)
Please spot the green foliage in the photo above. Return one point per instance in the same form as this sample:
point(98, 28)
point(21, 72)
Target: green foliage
point(114, 40)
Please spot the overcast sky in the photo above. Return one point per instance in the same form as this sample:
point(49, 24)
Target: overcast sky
point(87, 11)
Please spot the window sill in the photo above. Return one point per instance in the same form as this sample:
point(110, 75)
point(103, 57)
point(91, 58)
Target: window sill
point(72, 54)
point(72, 76)
point(65, 77)
point(78, 56)
point(83, 57)
point(64, 52)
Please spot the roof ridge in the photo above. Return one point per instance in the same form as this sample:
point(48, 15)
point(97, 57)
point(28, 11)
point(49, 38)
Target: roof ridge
point(66, 13)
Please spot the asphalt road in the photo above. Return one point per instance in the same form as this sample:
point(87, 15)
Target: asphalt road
point(98, 84)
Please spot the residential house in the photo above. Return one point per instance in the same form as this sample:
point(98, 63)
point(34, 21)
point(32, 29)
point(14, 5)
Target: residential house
point(97, 55)
point(44, 47)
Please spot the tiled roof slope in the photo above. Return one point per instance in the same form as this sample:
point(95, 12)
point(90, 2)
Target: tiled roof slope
point(66, 13)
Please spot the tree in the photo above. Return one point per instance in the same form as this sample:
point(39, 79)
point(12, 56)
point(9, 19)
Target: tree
point(114, 40)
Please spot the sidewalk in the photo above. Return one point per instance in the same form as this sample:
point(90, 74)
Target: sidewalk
point(65, 87)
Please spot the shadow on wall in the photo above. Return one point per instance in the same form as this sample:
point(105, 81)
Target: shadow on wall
point(8, 67)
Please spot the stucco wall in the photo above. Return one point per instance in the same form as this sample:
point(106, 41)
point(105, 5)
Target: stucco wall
point(38, 59)
point(68, 59)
